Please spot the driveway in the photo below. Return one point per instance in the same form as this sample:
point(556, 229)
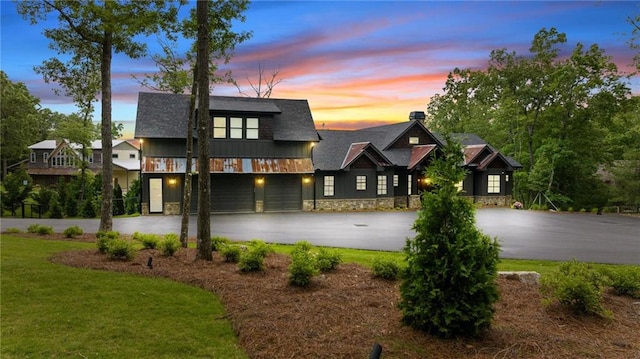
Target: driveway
point(522, 234)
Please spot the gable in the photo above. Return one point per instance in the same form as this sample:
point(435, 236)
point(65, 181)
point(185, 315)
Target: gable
point(419, 154)
point(415, 130)
point(363, 155)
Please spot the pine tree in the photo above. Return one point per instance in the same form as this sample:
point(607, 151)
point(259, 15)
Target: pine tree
point(449, 287)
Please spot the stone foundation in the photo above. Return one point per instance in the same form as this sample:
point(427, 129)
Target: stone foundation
point(493, 201)
point(172, 208)
point(344, 205)
point(259, 206)
point(144, 209)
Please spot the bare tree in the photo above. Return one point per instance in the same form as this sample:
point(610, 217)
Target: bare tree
point(265, 84)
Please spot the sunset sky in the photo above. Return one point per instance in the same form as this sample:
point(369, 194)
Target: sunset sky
point(358, 63)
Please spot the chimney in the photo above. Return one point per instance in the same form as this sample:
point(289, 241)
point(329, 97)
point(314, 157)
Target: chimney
point(417, 116)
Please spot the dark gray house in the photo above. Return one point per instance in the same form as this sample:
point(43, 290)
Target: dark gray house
point(383, 167)
point(260, 153)
point(266, 155)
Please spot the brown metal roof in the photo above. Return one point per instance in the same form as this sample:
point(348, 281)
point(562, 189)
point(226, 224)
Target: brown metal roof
point(230, 165)
point(418, 153)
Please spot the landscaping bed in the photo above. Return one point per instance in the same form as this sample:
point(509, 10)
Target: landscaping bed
point(344, 312)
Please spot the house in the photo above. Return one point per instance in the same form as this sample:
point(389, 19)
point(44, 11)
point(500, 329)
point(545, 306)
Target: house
point(383, 167)
point(260, 153)
point(50, 160)
point(265, 155)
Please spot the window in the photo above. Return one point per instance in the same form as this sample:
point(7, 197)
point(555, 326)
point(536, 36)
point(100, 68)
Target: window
point(89, 158)
point(114, 155)
point(329, 186)
point(252, 128)
point(414, 140)
point(45, 157)
point(396, 180)
point(219, 127)
point(493, 184)
point(382, 185)
point(132, 156)
point(63, 160)
point(33, 157)
point(361, 183)
point(409, 184)
point(235, 127)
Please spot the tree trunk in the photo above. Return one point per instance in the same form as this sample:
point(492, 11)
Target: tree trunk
point(106, 216)
point(186, 201)
point(204, 126)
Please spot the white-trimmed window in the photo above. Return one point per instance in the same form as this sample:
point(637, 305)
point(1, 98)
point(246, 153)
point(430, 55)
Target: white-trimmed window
point(132, 156)
point(45, 157)
point(235, 127)
point(361, 183)
point(493, 184)
point(382, 185)
point(414, 140)
point(396, 180)
point(89, 158)
point(114, 155)
point(329, 186)
point(409, 180)
point(33, 157)
point(253, 124)
point(219, 127)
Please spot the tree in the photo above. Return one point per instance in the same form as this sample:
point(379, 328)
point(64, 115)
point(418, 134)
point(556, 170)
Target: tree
point(177, 73)
point(20, 122)
point(533, 105)
point(264, 85)
point(203, 243)
point(94, 31)
point(15, 188)
point(449, 287)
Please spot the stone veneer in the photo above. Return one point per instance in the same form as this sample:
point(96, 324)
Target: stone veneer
point(172, 208)
point(340, 205)
point(495, 201)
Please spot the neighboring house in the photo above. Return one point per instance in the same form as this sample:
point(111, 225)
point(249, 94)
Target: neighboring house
point(260, 153)
point(50, 160)
point(266, 155)
point(383, 167)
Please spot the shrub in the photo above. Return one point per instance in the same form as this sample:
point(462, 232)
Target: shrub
point(251, 260)
point(88, 209)
point(625, 281)
point(231, 253)
point(150, 241)
point(55, 208)
point(577, 286)
point(217, 242)
point(261, 247)
point(170, 244)
point(385, 268)
point(327, 260)
point(104, 239)
point(73, 231)
point(13, 230)
point(303, 264)
point(121, 249)
point(40, 229)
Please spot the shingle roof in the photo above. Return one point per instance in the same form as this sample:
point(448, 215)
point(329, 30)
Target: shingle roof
point(163, 115)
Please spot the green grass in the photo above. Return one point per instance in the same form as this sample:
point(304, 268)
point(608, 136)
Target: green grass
point(51, 310)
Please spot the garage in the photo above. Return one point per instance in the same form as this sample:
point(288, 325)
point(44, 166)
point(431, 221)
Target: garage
point(232, 193)
point(282, 193)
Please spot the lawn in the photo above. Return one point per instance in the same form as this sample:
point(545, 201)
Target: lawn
point(51, 310)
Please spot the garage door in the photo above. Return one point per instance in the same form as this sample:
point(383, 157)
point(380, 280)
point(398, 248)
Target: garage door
point(283, 193)
point(232, 193)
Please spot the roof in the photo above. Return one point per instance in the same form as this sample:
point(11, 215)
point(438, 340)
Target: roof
point(127, 164)
point(52, 144)
point(165, 115)
point(339, 148)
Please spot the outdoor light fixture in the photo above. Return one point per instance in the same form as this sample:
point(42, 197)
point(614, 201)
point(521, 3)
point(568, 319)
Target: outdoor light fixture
point(306, 180)
point(172, 181)
point(150, 263)
point(260, 181)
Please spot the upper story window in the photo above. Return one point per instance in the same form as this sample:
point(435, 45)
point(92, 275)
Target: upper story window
point(414, 140)
point(45, 157)
point(33, 157)
point(114, 155)
point(236, 127)
point(132, 156)
point(63, 160)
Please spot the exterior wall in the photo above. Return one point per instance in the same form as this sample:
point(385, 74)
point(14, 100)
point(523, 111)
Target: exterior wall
point(125, 178)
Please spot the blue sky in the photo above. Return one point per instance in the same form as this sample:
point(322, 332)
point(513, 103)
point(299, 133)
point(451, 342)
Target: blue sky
point(358, 63)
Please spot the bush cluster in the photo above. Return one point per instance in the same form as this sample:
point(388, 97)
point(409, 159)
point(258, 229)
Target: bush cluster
point(103, 240)
point(40, 229)
point(73, 231)
point(218, 242)
point(231, 253)
point(576, 285)
point(625, 281)
point(121, 249)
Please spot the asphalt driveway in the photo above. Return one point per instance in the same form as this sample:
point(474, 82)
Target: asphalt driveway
point(522, 234)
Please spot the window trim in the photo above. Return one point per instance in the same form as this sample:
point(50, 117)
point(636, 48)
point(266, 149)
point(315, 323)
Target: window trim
point(236, 127)
point(32, 157)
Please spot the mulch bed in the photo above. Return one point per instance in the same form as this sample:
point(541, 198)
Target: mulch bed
point(344, 312)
